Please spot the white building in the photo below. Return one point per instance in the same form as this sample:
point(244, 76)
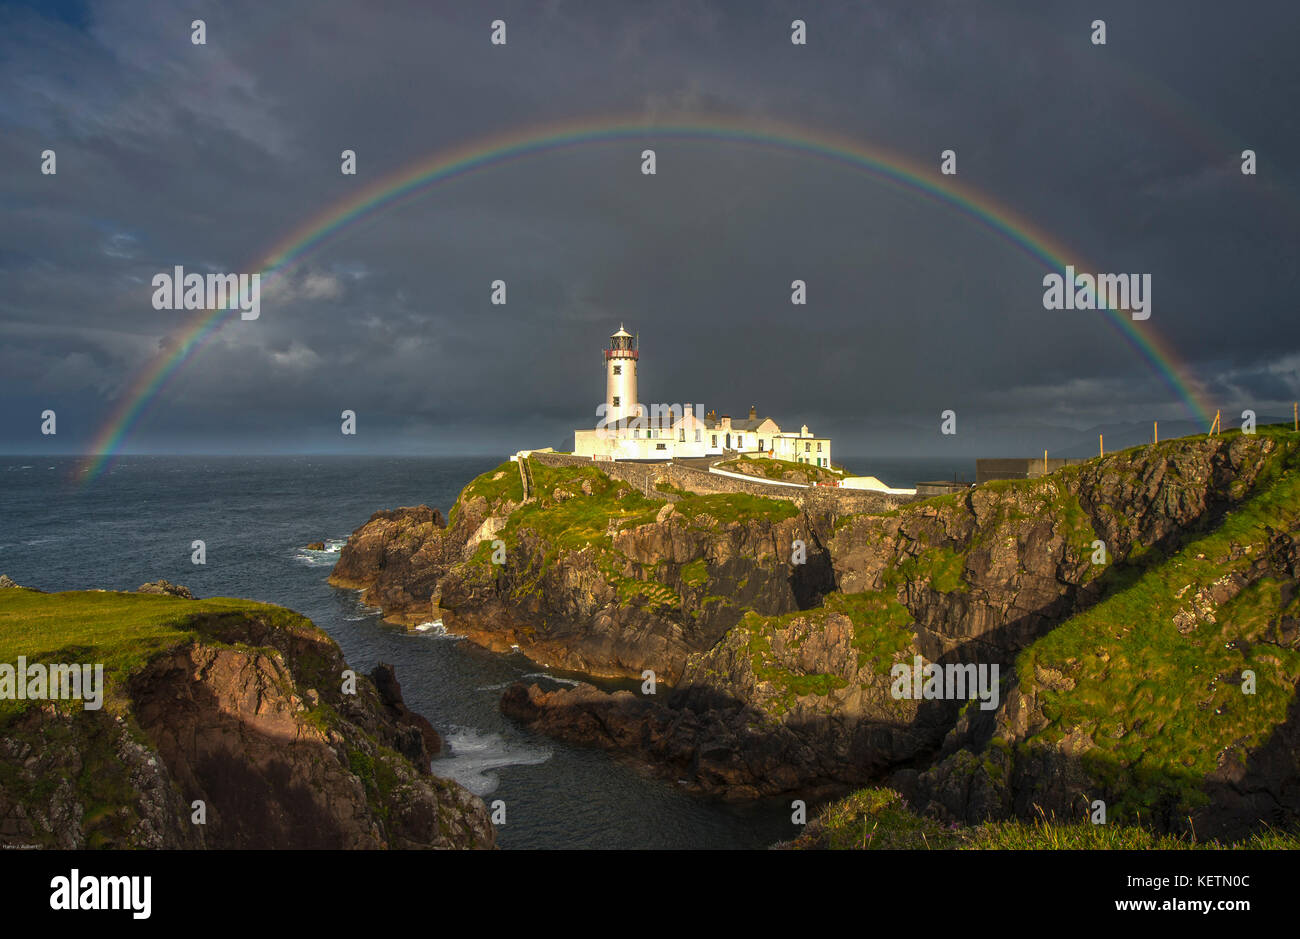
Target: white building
point(629, 430)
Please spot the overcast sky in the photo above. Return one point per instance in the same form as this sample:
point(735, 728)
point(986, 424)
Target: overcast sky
point(207, 156)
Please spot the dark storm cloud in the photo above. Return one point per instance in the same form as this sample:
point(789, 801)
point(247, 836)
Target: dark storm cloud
point(209, 156)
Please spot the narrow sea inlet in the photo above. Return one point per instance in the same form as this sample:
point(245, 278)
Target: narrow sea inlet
point(136, 523)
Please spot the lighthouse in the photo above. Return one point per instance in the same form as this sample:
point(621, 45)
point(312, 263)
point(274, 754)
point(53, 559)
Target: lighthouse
point(620, 377)
point(660, 433)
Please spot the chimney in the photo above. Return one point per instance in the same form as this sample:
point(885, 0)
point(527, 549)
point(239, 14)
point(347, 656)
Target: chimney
point(753, 413)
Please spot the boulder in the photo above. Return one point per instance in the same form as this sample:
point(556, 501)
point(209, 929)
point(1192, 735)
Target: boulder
point(166, 587)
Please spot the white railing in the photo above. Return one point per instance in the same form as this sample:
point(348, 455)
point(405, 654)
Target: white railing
point(756, 479)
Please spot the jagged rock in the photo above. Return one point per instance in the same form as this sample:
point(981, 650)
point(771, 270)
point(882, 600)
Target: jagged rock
point(975, 577)
point(166, 587)
point(398, 558)
point(7, 582)
point(711, 750)
point(425, 743)
point(249, 719)
point(316, 546)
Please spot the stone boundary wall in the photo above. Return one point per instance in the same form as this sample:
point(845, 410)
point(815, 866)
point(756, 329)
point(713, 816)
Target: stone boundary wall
point(988, 469)
point(814, 498)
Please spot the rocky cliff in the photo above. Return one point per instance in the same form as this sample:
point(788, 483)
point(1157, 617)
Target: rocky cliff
point(780, 671)
point(228, 713)
point(591, 575)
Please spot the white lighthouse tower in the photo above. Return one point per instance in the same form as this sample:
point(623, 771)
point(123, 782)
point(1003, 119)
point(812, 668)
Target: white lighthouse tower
point(620, 377)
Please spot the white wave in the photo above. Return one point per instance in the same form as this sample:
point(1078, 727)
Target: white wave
point(499, 686)
point(313, 558)
point(366, 607)
point(325, 557)
point(476, 756)
point(563, 681)
point(435, 628)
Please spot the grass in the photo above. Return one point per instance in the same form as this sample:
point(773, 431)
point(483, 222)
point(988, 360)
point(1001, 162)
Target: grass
point(591, 505)
point(942, 567)
point(882, 627)
point(654, 595)
point(1160, 704)
point(497, 484)
point(783, 470)
point(881, 630)
point(582, 517)
point(732, 507)
point(880, 819)
point(788, 686)
point(501, 484)
point(123, 631)
point(695, 573)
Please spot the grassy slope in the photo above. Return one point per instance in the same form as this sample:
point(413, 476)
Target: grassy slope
point(779, 469)
point(880, 819)
point(123, 631)
point(1159, 705)
point(583, 518)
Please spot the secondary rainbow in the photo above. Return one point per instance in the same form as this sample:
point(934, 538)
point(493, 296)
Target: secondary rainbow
point(418, 179)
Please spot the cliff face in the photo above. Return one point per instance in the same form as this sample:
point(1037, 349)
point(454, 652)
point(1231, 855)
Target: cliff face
point(397, 558)
point(780, 671)
point(1174, 698)
point(593, 576)
point(242, 709)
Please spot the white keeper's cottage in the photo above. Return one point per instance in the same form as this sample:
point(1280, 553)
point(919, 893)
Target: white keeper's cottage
point(628, 430)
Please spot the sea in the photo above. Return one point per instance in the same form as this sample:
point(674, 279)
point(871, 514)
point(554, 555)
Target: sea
point(137, 520)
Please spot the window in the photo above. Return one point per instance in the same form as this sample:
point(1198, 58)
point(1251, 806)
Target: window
point(681, 435)
point(615, 400)
point(715, 440)
point(697, 435)
point(618, 370)
point(636, 432)
point(760, 444)
point(807, 447)
point(661, 446)
point(819, 446)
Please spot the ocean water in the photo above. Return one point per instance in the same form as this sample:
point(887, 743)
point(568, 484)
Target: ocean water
point(136, 523)
point(906, 472)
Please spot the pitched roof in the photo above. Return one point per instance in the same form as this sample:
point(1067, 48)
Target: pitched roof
point(745, 424)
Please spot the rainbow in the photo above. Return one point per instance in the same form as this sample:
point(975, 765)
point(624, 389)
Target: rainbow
point(418, 179)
